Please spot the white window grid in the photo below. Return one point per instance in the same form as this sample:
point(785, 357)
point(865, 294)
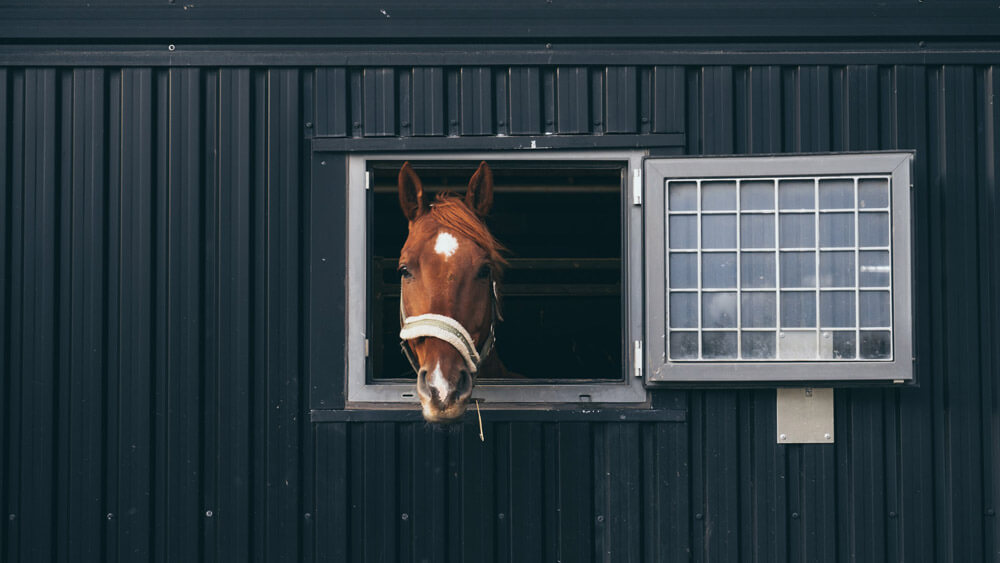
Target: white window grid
point(820, 331)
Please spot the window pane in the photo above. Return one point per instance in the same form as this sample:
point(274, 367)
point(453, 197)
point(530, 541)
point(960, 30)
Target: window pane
point(757, 231)
point(683, 345)
point(757, 195)
point(718, 345)
point(798, 230)
point(836, 193)
point(836, 309)
point(683, 310)
point(718, 196)
point(874, 307)
point(876, 345)
point(875, 268)
point(836, 229)
point(718, 270)
point(683, 270)
point(798, 269)
point(718, 310)
point(758, 310)
point(873, 193)
point(797, 345)
point(836, 269)
point(798, 309)
point(718, 231)
point(758, 345)
point(796, 194)
point(757, 269)
point(683, 196)
point(684, 231)
point(873, 229)
point(844, 344)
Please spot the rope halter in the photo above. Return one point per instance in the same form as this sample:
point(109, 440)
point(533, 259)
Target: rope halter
point(449, 330)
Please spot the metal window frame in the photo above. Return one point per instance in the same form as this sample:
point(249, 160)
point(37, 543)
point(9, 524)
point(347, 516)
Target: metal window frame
point(659, 368)
point(361, 393)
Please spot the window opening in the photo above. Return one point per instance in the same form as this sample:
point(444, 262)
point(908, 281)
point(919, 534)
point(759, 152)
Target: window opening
point(561, 292)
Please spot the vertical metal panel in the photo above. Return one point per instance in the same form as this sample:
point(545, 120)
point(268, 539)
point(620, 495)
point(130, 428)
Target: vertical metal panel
point(453, 97)
point(716, 118)
point(428, 457)
point(112, 352)
point(88, 262)
point(667, 490)
point(261, 326)
point(428, 101)
point(477, 116)
point(572, 99)
point(501, 101)
point(621, 99)
point(185, 306)
point(525, 496)
point(988, 86)
point(669, 97)
point(134, 447)
point(15, 191)
point(332, 102)
point(766, 508)
point(356, 86)
point(575, 519)
point(622, 505)
point(379, 102)
point(6, 314)
point(476, 483)
point(333, 493)
point(953, 180)
point(525, 101)
point(283, 367)
point(916, 475)
point(39, 346)
point(235, 358)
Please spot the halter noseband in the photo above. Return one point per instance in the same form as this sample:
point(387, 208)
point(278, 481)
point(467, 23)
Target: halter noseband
point(449, 330)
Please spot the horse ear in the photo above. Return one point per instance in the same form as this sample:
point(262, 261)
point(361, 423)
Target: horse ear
point(411, 193)
point(479, 198)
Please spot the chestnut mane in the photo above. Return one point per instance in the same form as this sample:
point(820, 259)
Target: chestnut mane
point(450, 211)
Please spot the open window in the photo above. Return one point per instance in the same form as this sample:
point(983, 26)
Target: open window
point(570, 315)
point(778, 268)
point(690, 270)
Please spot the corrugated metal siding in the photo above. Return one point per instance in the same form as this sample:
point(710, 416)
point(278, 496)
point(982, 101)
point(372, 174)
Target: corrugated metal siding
point(155, 393)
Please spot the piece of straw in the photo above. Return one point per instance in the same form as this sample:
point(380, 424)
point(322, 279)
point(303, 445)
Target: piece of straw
point(482, 438)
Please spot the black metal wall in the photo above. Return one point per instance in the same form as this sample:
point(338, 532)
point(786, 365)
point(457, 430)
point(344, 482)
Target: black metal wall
point(156, 390)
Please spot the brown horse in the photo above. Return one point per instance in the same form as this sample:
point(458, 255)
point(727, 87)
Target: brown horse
point(448, 302)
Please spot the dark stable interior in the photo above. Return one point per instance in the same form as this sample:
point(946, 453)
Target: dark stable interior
point(561, 293)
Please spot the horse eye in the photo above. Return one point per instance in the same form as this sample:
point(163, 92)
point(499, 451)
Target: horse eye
point(404, 272)
point(484, 272)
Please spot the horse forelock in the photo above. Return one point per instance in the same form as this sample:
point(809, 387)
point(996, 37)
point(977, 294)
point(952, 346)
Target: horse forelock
point(450, 212)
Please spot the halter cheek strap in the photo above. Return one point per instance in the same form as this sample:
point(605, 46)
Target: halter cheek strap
point(449, 330)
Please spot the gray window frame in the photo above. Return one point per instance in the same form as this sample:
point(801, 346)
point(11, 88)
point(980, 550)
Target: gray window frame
point(361, 393)
point(657, 171)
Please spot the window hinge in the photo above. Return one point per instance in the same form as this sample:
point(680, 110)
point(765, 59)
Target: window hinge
point(368, 180)
point(366, 347)
point(636, 186)
point(637, 358)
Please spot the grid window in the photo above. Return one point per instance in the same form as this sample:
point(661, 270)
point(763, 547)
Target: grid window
point(780, 268)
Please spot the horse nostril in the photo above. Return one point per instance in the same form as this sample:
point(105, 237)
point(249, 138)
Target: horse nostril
point(464, 387)
point(422, 382)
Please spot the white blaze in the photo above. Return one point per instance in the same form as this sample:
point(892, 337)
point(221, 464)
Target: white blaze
point(437, 381)
point(446, 244)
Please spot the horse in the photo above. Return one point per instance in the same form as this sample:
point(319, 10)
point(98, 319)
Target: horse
point(449, 304)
